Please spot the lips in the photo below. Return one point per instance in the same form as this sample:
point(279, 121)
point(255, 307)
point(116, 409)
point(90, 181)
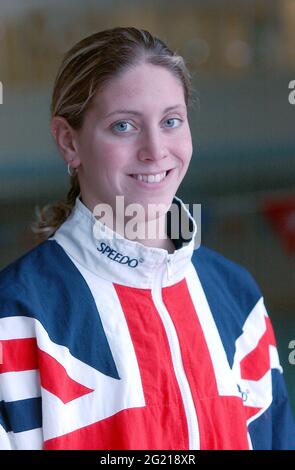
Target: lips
point(150, 178)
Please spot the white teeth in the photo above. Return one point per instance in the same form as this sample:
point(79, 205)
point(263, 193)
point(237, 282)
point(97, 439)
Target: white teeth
point(151, 178)
point(157, 178)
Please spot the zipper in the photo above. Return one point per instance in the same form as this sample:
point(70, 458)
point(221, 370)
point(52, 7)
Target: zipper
point(185, 391)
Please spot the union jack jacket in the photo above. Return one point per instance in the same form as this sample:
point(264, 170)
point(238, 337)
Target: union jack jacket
point(110, 344)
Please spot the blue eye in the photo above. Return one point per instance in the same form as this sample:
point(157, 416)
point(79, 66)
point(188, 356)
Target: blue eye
point(173, 120)
point(121, 126)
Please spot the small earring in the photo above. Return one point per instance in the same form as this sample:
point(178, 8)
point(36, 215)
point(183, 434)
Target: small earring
point(71, 171)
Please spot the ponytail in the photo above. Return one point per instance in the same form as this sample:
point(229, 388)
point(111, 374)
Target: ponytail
point(52, 216)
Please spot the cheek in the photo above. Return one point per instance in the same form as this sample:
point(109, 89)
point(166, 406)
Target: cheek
point(185, 148)
point(189, 145)
point(105, 155)
point(188, 150)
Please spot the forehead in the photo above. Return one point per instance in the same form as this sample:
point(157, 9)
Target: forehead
point(145, 84)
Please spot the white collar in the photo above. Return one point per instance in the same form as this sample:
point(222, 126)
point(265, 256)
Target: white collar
point(118, 259)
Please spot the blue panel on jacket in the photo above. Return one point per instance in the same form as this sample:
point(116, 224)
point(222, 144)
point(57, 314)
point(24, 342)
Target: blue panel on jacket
point(230, 291)
point(46, 285)
point(21, 415)
point(275, 429)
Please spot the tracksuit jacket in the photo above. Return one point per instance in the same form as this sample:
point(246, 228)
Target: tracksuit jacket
point(109, 344)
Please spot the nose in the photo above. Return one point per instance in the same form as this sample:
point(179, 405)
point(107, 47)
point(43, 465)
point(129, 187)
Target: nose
point(152, 146)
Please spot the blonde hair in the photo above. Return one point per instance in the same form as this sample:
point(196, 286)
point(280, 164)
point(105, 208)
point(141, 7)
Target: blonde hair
point(84, 71)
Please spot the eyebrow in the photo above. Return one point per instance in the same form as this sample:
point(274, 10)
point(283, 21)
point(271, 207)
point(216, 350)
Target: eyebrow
point(137, 113)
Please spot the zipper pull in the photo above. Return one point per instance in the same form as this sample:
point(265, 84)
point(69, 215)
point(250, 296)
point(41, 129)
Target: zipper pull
point(169, 268)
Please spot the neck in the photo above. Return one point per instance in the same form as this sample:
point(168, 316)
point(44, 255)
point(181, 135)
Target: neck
point(151, 233)
point(165, 244)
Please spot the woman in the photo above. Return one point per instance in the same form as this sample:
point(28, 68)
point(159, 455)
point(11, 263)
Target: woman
point(112, 341)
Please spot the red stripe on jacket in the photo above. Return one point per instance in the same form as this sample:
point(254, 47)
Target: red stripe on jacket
point(222, 420)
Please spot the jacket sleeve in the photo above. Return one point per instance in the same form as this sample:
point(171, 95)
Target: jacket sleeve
point(246, 331)
point(283, 427)
point(5, 442)
point(20, 391)
point(275, 428)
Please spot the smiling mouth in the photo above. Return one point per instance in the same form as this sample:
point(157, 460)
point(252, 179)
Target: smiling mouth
point(151, 178)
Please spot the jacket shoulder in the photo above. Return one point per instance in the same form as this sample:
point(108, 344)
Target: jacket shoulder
point(46, 286)
point(41, 251)
point(31, 282)
point(224, 274)
point(29, 271)
point(231, 292)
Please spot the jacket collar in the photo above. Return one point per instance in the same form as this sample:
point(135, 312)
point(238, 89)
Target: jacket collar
point(108, 255)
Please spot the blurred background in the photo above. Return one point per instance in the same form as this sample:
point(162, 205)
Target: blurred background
point(242, 57)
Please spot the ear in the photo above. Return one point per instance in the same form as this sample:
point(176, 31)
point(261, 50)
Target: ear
point(65, 139)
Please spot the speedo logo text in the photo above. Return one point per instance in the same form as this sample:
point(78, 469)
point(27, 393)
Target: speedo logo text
point(116, 256)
